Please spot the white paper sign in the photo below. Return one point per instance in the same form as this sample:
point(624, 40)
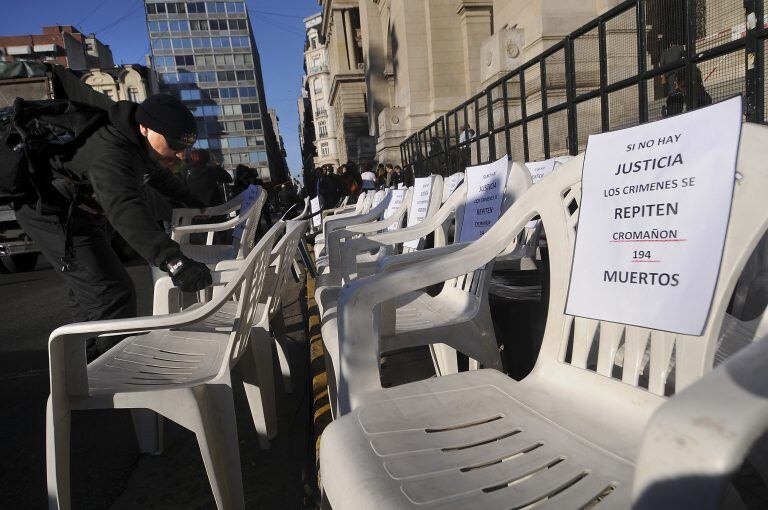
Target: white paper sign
point(485, 192)
point(250, 195)
point(422, 191)
point(314, 206)
point(538, 169)
point(378, 197)
point(655, 205)
point(395, 202)
point(451, 183)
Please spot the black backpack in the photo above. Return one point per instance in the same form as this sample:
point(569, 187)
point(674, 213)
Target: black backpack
point(34, 137)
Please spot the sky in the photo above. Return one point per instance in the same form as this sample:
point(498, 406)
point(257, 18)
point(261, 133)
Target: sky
point(277, 26)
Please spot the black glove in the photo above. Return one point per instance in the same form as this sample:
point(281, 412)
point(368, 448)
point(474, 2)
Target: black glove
point(187, 274)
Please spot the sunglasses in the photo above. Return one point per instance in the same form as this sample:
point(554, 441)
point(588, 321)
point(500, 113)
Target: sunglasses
point(181, 144)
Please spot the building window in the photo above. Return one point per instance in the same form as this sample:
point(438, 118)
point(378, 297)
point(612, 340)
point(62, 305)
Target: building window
point(318, 86)
point(322, 128)
point(324, 149)
point(133, 94)
point(108, 93)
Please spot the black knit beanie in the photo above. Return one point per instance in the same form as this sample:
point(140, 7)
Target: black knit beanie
point(168, 116)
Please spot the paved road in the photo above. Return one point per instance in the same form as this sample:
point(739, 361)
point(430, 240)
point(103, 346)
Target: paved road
point(107, 471)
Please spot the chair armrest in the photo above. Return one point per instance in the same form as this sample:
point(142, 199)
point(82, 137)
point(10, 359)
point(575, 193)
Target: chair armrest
point(407, 259)
point(167, 297)
point(701, 436)
point(360, 301)
point(179, 233)
point(332, 224)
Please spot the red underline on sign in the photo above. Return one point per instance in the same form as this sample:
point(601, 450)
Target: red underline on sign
point(646, 261)
point(648, 240)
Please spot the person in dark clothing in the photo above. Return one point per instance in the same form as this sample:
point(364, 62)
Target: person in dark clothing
point(327, 188)
point(204, 179)
point(115, 163)
point(676, 102)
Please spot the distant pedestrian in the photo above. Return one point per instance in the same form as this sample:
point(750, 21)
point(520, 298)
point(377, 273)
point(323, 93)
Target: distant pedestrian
point(205, 179)
point(368, 177)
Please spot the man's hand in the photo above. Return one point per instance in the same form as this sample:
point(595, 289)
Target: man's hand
point(187, 274)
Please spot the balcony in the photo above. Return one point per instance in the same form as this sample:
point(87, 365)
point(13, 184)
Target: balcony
point(320, 113)
point(317, 70)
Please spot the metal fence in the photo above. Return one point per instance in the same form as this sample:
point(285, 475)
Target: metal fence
point(638, 62)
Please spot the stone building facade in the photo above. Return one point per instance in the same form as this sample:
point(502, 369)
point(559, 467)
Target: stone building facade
point(317, 82)
point(343, 36)
point(129, 82)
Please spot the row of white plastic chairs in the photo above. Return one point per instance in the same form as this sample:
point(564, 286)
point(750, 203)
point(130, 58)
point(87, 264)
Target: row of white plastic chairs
point(612, 415)
point(178, 363)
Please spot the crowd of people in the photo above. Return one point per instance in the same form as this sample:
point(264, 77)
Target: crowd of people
point(331, 185)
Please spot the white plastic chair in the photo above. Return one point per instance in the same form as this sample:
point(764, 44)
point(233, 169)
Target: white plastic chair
point(180, 368)
point(362, 206)
point(210, 253)
point(270, 322)
point(574, 433)
point(354, 255)
point(372, 209)
point(391, 219)
point(456, 319)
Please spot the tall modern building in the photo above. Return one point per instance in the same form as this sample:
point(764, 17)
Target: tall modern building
point(205, 54)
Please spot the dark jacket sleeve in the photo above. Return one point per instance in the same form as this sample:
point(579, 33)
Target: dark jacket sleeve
point(171, 187)
point(118, 188)
point(223, 175)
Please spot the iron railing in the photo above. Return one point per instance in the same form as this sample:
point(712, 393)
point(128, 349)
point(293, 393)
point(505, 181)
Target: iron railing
point(616, 71)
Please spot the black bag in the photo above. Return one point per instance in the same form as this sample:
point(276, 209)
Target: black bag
point(34, 136)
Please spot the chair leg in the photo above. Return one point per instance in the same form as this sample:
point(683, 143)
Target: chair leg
point(277, 325)
point(255, 367)
point(149, 430)
point(217, 437)
point(445, 359)
point(57, 437)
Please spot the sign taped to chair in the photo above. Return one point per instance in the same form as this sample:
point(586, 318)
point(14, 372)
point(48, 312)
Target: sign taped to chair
point(539, 169)
point(451, 183)
point(655, 204)
point(394, 204)
point(378, 197)
point(314, 207)
point(250, 195)
point(422, 191)
point(485, 192)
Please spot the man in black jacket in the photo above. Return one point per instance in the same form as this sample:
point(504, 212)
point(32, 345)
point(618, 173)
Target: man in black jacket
point(130, 151)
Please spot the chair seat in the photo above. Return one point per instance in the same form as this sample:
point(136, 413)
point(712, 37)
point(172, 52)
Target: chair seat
point(465, 441)
point(159, 360)
point(319, 247)
point(208, 254)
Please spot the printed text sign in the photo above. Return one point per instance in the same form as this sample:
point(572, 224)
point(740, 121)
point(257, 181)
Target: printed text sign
point(314, 205)
point(485, 192)
point(249, 197)
point(653, 217)
point(395, 202)
point(422, 190)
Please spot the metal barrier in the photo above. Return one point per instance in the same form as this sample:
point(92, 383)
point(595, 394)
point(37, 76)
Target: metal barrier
point(606, 75)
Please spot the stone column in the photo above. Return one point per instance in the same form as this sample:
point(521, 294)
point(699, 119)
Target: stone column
point(350, 40)
point(476, 18)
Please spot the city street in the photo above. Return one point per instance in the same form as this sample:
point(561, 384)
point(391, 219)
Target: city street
point(107, 471)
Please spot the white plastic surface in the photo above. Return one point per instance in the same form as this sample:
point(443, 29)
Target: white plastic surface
point(576, 431)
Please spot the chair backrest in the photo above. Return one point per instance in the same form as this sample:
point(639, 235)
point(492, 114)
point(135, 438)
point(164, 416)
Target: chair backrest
point(515, 183)
point(283, 255)
point(450, 184)
point(250, 278)
point(425, 202)
point(244, 244)
point(399, 198)
point(655, 363)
